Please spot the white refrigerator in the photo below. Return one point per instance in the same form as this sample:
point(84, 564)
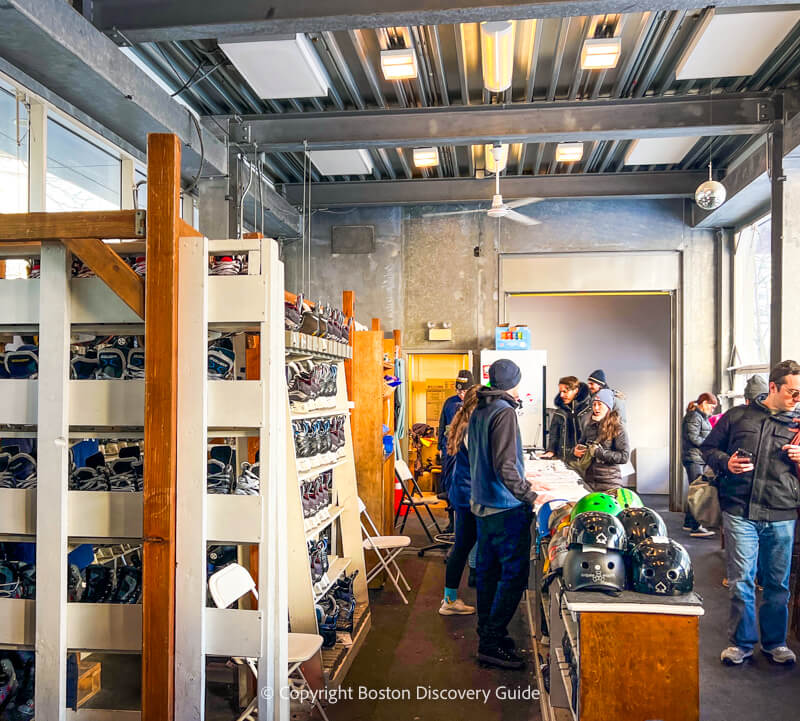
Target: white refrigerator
point(533, 364)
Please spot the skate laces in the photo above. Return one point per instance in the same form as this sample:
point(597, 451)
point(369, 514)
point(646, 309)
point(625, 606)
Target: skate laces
point(220, 362)
point(135, 368)
point(6, 477)
point(22, 467)
point(226, 265)
point(248, 483)
point(139, 265)
point(10, 586)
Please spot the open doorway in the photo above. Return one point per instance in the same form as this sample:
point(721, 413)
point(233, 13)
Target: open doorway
point(629, 336)
point(431, 381)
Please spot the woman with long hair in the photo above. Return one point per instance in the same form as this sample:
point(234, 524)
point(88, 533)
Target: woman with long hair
point(466, 533)
point(696, 426)
point(606, 441)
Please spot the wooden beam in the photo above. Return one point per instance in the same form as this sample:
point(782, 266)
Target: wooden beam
point(106, 264)
point(349, 310)
point(160, 427)
point(187, 231)
point(114, 224)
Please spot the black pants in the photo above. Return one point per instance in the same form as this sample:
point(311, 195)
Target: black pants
point(504, 547)
point(693, 470)
point(466, 535)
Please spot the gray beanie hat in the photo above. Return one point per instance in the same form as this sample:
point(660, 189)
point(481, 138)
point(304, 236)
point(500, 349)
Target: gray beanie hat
point(756, 386)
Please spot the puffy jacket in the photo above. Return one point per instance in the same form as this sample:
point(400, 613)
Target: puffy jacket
point(568, 422)
point(497, 470)
point(603, 473)
point(449, 410)
point(694, 431)
point(770, 491)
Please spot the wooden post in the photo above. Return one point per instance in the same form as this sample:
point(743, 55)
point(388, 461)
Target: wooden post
point(160, 427)
point(349, 310)
point(51, 496)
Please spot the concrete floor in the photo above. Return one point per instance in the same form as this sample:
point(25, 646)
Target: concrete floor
point(412, 646)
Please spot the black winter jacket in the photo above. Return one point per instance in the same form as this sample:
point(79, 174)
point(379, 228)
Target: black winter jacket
point(769, 492)
point(694, 431)
point(603, 473)
point(568, 423)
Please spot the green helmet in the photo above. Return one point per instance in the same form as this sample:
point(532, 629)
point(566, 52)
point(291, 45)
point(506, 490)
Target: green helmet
point(628, 498)
point(596, 502)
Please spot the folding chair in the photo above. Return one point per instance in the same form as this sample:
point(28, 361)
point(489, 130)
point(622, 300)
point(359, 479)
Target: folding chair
point(392, 545)
point(413, 499)
point(227, 586)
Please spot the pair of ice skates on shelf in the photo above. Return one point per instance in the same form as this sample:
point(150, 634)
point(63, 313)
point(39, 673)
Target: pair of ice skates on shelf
point(312, 386)
point(221, 477)
point(335, 610)
point(317, 496)
point(318, 442)
point(124, 473)
point(17, 470)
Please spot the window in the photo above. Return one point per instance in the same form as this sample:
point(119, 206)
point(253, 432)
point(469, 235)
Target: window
point(140, 184)
point(13, 152)
point(81, 175)
point(752, 279)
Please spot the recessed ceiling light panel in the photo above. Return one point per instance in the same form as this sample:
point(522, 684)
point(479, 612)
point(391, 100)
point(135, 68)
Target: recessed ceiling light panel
point(569, 152)
point(399, 64)
point(284, 68)
point(342, 162)
point(659, 151)
point(600, 53)
point(734, 44)
point(426, 157)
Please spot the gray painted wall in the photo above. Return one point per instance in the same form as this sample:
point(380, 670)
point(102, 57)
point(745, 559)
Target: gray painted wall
point(423, 268)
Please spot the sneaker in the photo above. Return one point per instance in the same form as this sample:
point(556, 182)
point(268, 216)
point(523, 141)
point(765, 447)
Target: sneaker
point(701, 532)
point(780, 654)
point(501, 657)
point(735, 655)
point(455, 608)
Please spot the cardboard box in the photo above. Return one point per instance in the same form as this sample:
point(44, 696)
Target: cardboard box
point(512, 337)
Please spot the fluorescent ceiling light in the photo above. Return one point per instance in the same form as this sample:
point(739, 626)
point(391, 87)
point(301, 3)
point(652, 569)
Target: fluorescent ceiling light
point(426, 157)
point(285, 68)
point(497, 54)
point(569, 152)
point(342, 162)
point(488, 157)
point(399, 64)
point(659, 151)
point(735, 44)
point(600, 53)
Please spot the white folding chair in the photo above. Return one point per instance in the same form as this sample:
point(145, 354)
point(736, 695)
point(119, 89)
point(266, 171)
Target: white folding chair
point(386, 548)
point(227, 586)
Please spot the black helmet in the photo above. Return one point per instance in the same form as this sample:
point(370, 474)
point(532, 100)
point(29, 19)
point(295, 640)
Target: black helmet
point(641, 523)
point(587, 570)
point(662, 566)
point(594, 528)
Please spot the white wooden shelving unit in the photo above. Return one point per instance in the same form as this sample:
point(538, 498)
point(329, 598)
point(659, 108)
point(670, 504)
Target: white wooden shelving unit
point(342, 518)
point(55, 408)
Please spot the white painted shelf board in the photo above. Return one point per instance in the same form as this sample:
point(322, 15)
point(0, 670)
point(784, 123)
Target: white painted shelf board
point(17, 512)
point(233, 632)
point(335, 512)
point(233, 519)
point(104, 515)
point(321, 413)
point(104, 627)
point(17, 622)
point(314, 472)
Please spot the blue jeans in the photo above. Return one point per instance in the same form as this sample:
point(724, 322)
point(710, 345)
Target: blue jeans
point(767, 546)
point(504, 547)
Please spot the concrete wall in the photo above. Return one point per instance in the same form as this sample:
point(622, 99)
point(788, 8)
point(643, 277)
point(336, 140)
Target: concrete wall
point(424, 268)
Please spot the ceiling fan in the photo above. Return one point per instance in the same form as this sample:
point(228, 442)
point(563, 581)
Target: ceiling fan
point(499, 209)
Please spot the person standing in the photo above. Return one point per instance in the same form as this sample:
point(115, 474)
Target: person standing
point(753, 453)
point(573, 408)
point(502, 501)
point(597, 382)
point(449, 409)
point(694, 431)
point(606, 441)
point(466, 532)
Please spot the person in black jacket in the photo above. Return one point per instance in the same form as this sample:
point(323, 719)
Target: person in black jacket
point(573, 408)
point(502, 502)
point(694, 431)
point(754, 452)
point(606, 440)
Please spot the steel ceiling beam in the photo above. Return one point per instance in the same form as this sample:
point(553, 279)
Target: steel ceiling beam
point(537, 122)
point(464, 190)
point(154, 20)
point(53, 44)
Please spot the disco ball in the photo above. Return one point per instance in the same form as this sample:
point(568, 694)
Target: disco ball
point(710, 195)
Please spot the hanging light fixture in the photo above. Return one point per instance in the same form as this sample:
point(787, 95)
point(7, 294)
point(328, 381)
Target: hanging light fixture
point(497, 54)
point(495, 157)
point(711, 194)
